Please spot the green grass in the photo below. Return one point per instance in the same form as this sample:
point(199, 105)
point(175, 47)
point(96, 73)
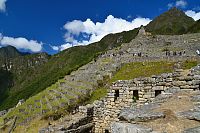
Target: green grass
point(1, 120)
point(97, 94)
point(142, 69)
point(33, 81)
point(189, 64)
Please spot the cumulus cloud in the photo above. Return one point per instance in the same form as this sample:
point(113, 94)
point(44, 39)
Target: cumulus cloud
point(56, 48)
point(21, 43)
point(178, 3)
point(3, 5)
point(193, 14)
point(85, 32)
point(181, 3)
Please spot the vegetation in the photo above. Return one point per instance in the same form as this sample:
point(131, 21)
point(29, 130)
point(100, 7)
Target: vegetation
point(27, 81)
point(195, 28)
point(33, 81)
point(33, 127)
point(97, 94)
point(189, 64)
point(142, 69)
point(171, 22)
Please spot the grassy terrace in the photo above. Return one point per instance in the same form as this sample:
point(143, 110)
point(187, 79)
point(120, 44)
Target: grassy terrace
point(142, 69)
point(146, 69)
point(97, 94)
point(128, 71)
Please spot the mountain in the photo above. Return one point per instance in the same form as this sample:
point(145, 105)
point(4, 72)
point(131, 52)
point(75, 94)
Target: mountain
point(33, 80)
point(171, 22)
point(195, 28)
point(33, 73)
point(46, 81)
point(17, 69)
point(9, 52)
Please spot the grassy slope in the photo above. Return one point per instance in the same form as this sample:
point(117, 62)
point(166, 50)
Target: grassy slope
point(62, 64)
point(97, 94)
point(128, 71)
point(171, 22)
point(195, 28)
point(146, 69)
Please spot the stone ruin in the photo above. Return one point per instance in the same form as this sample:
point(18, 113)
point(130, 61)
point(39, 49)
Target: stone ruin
point(79, 122)
point(20, 102)
point(2, 113)
point(142, 32)
point(137, 92)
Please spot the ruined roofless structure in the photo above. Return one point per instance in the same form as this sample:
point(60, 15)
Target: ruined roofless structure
point(142, 32)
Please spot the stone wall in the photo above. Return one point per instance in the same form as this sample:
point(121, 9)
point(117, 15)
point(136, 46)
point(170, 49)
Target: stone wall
point(136, 92)
point(80, 122)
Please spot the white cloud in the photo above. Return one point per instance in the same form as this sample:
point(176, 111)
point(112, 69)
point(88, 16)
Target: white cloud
point(181, 3)
point(61, 47)
point(193, 14)
point(3, 5)
point(21, 43)
point(56, 48)
point(64, 46)
point(93, 32)
point(170, 5)
point(178, 3)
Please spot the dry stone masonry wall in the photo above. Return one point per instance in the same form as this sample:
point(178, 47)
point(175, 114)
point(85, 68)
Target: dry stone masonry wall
point(137, 92)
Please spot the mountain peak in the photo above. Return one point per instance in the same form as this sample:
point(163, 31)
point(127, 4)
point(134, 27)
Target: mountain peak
point(174, 11)
point(173, 21)
point(9, 52)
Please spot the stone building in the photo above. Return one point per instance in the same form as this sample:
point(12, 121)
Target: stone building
point(136, 92)
point(142, 32)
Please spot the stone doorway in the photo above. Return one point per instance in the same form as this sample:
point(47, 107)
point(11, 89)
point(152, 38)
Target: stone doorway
point(135, 95)
point(116, 94)
point(107, 131)
point(158, 92)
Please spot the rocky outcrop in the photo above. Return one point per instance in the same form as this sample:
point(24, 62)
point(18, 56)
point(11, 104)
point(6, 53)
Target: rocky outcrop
point(129, 128)
point(142, 114)
point(80, 122)
point(192, 130)
point(192, 114)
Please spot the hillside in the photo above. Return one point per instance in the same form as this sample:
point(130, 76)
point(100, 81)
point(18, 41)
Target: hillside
point(171, 22)
point(17, 69)
point(75, 88)
point(195, 28)
point(9, 52)
point(39, 78)
point(57, 66)
point(52, 85)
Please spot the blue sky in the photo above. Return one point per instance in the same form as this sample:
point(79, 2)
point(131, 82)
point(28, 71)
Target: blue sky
point(52, 26)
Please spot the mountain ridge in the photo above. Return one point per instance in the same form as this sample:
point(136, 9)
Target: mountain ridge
point(63, 63)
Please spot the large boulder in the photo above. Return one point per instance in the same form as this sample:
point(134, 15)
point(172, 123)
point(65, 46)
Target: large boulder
point(195, 98)
point(117, 127)
point(193, 114)
point(144, 113)
point(192, 130)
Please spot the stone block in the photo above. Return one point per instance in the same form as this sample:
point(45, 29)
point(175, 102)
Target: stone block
point(179, 83)
point(158, 88)
point(185, 87)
